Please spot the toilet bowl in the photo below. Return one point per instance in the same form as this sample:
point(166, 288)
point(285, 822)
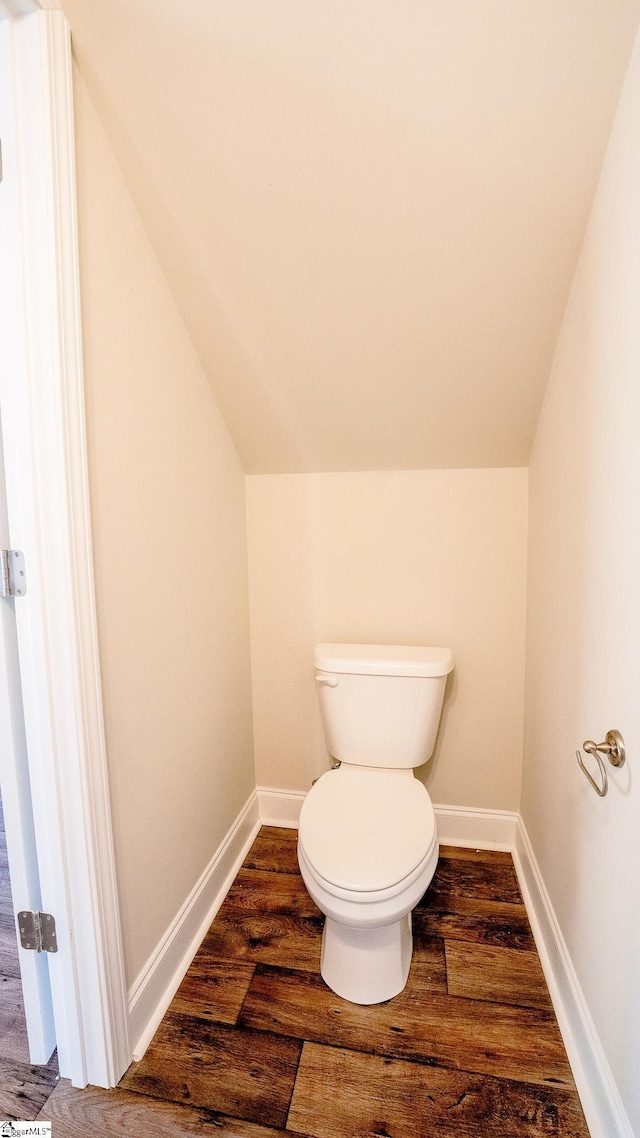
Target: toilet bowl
point(367, 840)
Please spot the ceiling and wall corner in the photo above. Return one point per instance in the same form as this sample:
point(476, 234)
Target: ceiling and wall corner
point(369, 214)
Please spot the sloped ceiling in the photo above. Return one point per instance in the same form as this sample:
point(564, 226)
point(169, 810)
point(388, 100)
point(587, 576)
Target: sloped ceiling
point(369, 211)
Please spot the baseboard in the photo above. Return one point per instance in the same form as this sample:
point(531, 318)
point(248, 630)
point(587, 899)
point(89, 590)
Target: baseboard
point(457, 825)
point(476, 828)
point(601, 1102)
point(157, 983)
point(280, 807)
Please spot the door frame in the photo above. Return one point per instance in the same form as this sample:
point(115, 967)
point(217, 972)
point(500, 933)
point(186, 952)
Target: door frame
point(49, 516)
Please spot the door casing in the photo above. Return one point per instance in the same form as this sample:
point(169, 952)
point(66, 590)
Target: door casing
point(42, 399)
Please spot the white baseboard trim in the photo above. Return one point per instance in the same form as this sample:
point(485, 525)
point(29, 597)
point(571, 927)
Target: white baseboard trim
point(457, 825)
point(601, 1102)
point(157, 983)
point(280, 807)
point(476, 828)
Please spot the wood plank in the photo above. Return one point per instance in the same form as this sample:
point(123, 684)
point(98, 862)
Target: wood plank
point(112, 1114)
point(8, 923)
point(6, 900)
point(341, 1093)
point(245, 1074)
point(24, 1089)
point(419, 1024)
point(269, 938)
point(258, 890)
point(286, 833)
point(508, 976)
point(465, 918)
point(9, 962)
point(428, 970)
point(464, 853)
point(213, 989)
point(13, 1029)
point(273, 853)
point(464, 877)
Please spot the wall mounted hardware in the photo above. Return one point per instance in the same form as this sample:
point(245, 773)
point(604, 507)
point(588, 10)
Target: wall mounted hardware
point(37, 931)
point(13, 582)
point(613, 748)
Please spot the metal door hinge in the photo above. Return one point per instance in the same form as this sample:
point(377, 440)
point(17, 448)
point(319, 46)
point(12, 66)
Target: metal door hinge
point(14, 573)
point(38, 932)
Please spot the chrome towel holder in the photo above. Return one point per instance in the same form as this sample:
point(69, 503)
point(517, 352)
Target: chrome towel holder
point(613, 748)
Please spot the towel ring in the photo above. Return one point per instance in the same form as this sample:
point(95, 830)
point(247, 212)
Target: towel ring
point(613, 748)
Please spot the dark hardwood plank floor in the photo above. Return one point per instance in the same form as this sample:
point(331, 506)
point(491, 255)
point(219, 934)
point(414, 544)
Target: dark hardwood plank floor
point(340, 1093)
point(502, 975)
point(419, 1024)
point(256, 1045)
point(113, 1114)
point(244, 1073)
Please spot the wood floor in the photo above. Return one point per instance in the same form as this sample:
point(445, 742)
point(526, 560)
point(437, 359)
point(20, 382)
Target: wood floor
point(24, 1089)
point(255, 1045)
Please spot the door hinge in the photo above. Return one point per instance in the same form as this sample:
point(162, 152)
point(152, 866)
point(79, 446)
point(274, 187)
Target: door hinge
point(14, 573)
point(38, 931)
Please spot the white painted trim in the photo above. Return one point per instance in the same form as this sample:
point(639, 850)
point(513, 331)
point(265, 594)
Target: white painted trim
point(43, 403)
point(476, 828)
point(159, 980)
point(457, 825)
point(280, 807)
point(11, 8)
point(601, 1102)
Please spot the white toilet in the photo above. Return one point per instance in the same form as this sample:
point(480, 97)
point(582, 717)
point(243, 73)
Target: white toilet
point(367, 841)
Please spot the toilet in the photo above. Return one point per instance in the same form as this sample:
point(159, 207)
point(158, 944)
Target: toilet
point(367, 840)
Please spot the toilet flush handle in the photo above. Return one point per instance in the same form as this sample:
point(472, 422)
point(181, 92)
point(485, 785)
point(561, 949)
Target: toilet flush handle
point(328, 681)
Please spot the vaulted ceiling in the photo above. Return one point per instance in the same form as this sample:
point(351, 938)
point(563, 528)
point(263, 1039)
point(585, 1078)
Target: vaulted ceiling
point(369, 211)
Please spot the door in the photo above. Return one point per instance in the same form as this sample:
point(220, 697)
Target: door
point(18, 815)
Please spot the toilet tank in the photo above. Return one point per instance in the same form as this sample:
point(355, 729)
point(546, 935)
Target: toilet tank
point(380, 704)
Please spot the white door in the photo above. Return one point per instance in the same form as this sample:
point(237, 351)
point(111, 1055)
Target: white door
point(16, 798)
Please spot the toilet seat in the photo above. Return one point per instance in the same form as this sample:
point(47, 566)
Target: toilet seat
point(369, 899)
point(367, 833)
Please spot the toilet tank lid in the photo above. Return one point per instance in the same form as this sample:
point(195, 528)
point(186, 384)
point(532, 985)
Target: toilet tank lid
point(383, 660)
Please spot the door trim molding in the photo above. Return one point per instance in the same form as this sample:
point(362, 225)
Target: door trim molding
point(47, 489)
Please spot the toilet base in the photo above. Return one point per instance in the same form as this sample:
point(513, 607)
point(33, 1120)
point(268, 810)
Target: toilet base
point(366, 966)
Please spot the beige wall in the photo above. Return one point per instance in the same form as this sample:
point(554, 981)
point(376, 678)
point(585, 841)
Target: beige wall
point(422, 557)
point(583, 675)
point(381, 205)
point(170, 557)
